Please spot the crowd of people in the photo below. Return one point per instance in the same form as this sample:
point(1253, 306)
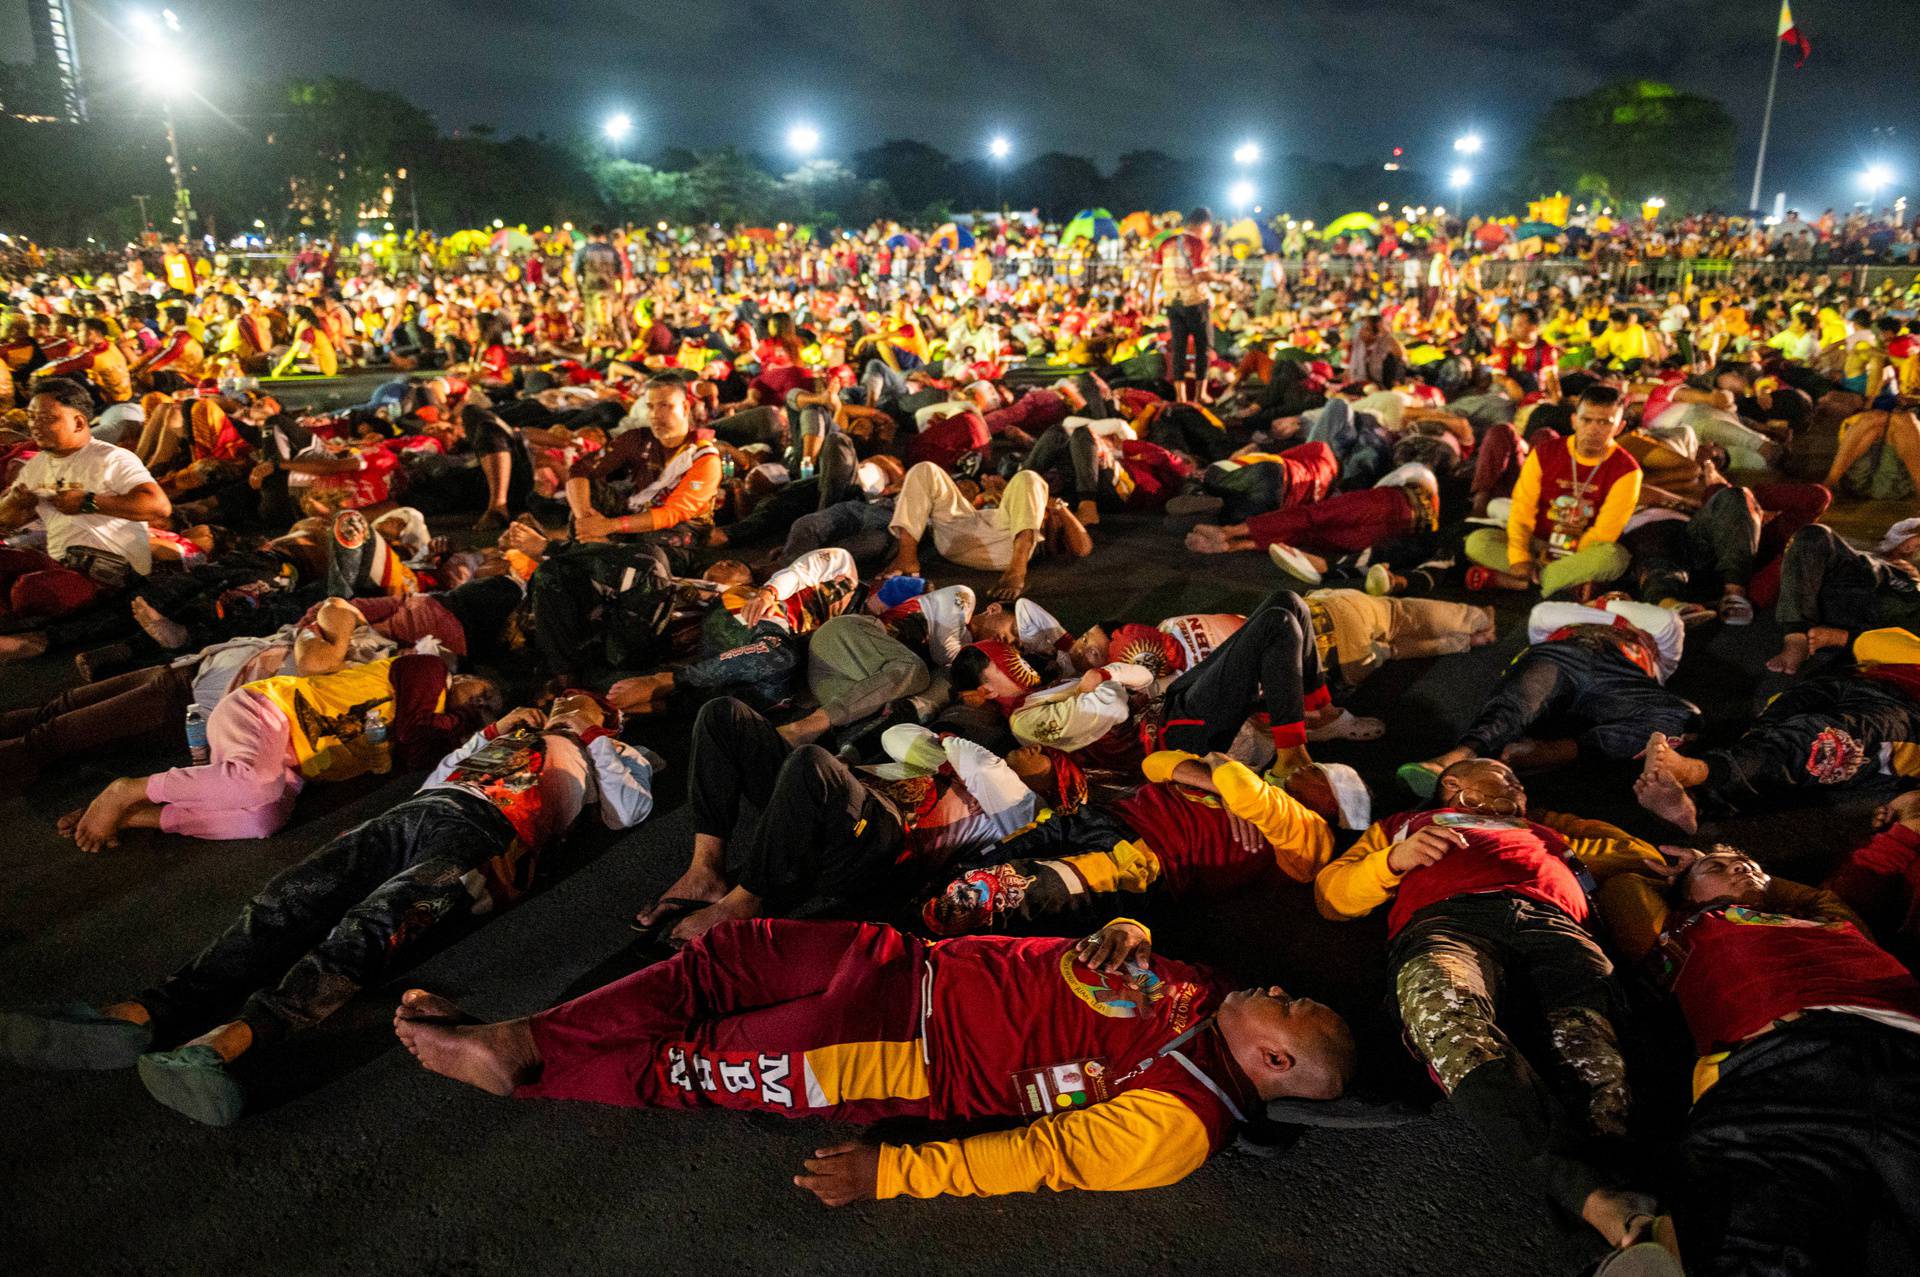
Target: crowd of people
point(646, 484)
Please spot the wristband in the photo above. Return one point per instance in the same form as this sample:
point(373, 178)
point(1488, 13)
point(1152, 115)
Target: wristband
point(89, 505)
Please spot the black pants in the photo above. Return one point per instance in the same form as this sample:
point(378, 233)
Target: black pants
point(1071, 463)
point(1451, 967)
point(1825, 581)
point(818, 835)
point(835, 481)
point(1188, 324)
point(1807, 1146)
point(1609, 704)
point(594, 606)
point(1820, 731)
point(1272, 656)
point(338, 921)
point(1674, 557)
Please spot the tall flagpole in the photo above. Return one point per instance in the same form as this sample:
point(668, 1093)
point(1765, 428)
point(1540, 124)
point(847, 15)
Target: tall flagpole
point(1766, 126)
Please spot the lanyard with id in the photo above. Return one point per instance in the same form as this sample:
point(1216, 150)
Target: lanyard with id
point(1076, 1084)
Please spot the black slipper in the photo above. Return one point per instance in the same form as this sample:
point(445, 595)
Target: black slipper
point(73, 1036)
point(194, 1081)
point(679, 907)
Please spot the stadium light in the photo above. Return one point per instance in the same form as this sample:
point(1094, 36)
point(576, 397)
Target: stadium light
point(1469, 143)
point(1459, 177)
point(1876, 177)
point(618, 125)
point(803, 140)
point(1246, 153)
point(999, 148)
point(1240, 194)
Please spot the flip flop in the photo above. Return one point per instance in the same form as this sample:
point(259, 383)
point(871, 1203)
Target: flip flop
point(1421, 780)
point(193, 1081)
point(71, 1036)
point(660, 928)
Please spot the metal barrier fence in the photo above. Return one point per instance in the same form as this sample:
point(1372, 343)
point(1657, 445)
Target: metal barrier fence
point(1094, 270)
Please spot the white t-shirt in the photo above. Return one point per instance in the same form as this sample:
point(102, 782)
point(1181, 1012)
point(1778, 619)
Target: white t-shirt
point(101, 468)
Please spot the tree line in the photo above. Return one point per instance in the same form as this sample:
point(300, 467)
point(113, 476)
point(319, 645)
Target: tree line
point(332, 156)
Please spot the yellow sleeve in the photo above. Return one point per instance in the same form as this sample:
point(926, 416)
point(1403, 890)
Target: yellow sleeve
point(1300, 839)
point(1633, 909)
point(1623, 498)
point(1359, 882)
point(1526, 496)
point(1158, 767)
point(1143, 1139)
point(1605, 849)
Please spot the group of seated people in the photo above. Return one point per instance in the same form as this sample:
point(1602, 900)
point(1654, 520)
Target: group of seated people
point(926, 821)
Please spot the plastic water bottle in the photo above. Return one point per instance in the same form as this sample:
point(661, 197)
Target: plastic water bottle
point(374, 732)
point(197, 736)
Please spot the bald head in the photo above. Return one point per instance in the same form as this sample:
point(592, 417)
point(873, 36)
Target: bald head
point(1288, 1047)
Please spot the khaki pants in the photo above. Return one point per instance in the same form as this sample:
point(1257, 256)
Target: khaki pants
point(981, 539)
point(1369, 630)
point(1595, 564)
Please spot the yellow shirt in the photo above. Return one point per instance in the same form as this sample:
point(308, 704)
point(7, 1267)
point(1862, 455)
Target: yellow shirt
point(326, 716)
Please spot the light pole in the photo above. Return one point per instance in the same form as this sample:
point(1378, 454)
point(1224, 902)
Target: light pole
point(999, 149)
point(1468, 144)
point(1240, 195)
point(1875, 177)
point(618, 125)
point(1247, 154)
point(168, 74)
point(803, 139)
point(1459, 178)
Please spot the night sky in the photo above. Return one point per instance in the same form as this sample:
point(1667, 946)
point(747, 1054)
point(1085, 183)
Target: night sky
point(1335, 79)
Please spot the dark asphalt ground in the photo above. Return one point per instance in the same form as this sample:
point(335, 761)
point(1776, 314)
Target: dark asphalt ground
point(354, 1159)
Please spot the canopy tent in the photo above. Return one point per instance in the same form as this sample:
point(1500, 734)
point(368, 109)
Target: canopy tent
point(1492, 235)
point(1351, 223)
point(951, 236)
point(903, 239)
point(514, 239)
point(1090, 224)
point(766, 234)
point(1138, 224)
point(1539, 230)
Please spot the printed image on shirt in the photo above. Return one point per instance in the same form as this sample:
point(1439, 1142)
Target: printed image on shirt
point(1126, 993)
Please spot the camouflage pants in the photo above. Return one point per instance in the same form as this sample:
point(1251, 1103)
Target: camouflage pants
point(1450, 965)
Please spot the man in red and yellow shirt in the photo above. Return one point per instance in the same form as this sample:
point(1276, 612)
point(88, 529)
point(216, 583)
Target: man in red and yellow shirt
point(1804, 1137)
point(1570, 505)
point(1481, 892)
point(1130, 1069)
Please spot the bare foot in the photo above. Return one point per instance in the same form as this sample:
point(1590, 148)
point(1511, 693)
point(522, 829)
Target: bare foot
point(170, 635)
point(1613, 1212)
point(418, 1004)
point(1207, 538)
point(1010, 586)
point(906, 560)
point(22, 647)
point(737, 903)
point(1821, 637)
point(1662, 795)
point(69, 822)
point(99, 826)
point(494, 1057)
point(1794, 651)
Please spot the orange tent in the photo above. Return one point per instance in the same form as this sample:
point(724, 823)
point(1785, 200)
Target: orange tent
point(1140, 224)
